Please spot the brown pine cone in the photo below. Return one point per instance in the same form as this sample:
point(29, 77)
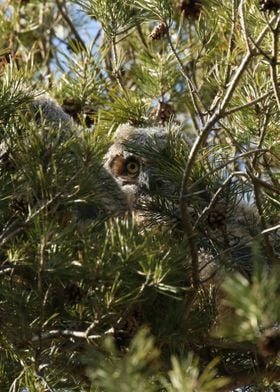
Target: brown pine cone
point(163, 112)
point(158, 31)
point(217, 216)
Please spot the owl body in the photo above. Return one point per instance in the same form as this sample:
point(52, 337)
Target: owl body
point(50, 111)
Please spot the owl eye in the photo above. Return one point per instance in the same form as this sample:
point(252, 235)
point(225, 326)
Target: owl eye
point(132, 167)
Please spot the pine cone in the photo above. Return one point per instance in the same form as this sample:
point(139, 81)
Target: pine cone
point(217, 216)
point(191, 8)
point(158, 32)
point(270, 5)
point(19, 205)
point(163, 112)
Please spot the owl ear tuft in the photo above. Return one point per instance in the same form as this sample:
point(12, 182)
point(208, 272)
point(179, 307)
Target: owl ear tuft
point(46, 108)
point(124, 132)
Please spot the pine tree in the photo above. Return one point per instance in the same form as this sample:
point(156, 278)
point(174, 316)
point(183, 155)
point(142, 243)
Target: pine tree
point(89, 299)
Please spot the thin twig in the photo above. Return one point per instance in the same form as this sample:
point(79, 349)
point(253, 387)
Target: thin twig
point(231, 41)
point(70, 24)
point(243, 25)
point(192, 89)
point(97, 36)
point(116, 66)
point(246, 105)
point(47, 387)
point(227, 344)
point(67, 333)
point(273, 228)
point(142, 38)
point(273, 64)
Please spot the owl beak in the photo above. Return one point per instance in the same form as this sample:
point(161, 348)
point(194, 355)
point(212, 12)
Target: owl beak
point(144, 181)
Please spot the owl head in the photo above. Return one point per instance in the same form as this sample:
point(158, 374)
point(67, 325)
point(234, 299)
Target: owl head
point(131, 162)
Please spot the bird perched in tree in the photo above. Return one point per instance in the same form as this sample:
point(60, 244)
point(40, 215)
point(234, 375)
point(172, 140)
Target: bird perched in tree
point(58, 144)
point(47, 109)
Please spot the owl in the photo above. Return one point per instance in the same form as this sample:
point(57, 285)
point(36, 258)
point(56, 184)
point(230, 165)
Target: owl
point(149, 174)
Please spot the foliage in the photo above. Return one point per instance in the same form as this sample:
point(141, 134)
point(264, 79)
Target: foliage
point(91, 299)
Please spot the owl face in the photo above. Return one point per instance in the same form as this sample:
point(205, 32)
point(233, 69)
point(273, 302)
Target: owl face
point(136, 175)
point(126, 169)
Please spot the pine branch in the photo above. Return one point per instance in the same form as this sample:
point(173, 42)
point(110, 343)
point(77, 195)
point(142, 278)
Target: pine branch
point(273, 63)
point(246, 105)
point(67, 333)
point(73, 29)
point(200, 142)
point(227, 344)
